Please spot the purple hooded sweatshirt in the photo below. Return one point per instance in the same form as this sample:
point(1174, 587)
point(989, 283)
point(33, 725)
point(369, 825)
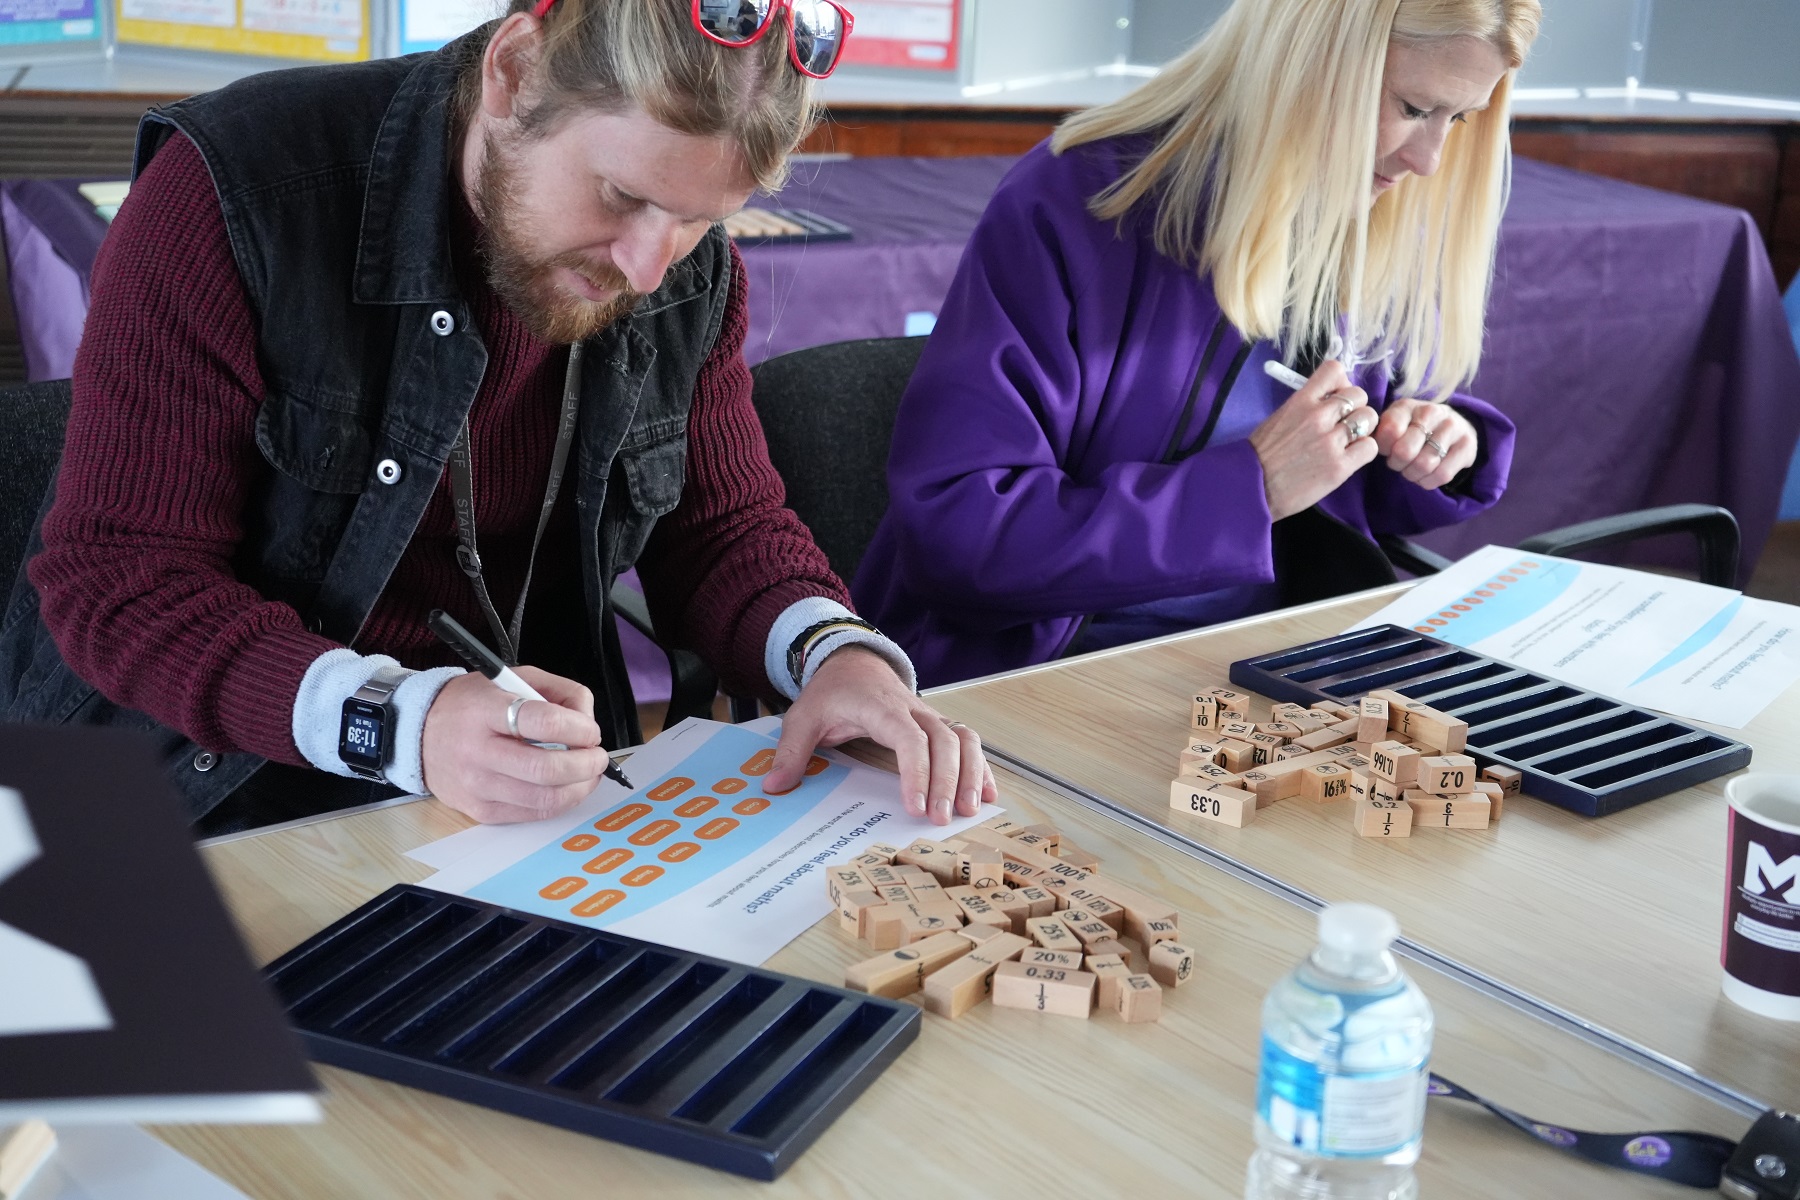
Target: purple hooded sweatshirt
point(1027, 481)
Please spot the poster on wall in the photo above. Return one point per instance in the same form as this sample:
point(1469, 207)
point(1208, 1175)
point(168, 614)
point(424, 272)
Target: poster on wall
point(428, 24)
point(36, 22)
point(922, 35)
point(330, 30)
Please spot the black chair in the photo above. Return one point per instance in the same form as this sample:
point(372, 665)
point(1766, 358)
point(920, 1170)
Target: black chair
point(828, 413)
point(32, 422)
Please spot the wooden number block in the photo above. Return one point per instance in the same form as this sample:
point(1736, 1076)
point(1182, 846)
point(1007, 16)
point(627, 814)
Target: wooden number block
point(1115, 948)
point(921, 921)
point(1036, 841)
point(1322, 739)
point(1207, 773)
point(954, 989)
point(1236, 731)
point(1237, 755)
point(1306, 721)
point(1424, 725)
point(880, 877)
point(1205, 713)
point(1052, 934)
point(1009, 902)
point(1044, 989)
point(1509, 778)
point(1371, 719)
point(1056, 887)
point(1154, 932)
point(1106, 910)
point(864, 861)
point(1230, 701)
point(850, 909)
point(1037, 956)
point(1085, 925)
point(1265, 745)
point(1075, 856)
point(895, 893)
point(1449, 812)
point(1395, 761)
point(1041, 900)
point(902, 972)
point(1005, 827)
point(22, 1152)
point(1447, 774)
point(1359, 786)
point(840, 879)
point(1109, 970)
point(887, 853)
point(929, 891)
point(1496, 797)
point(1139, 999)
point(1191, 761)
point(1356, 760)
point(985, 868)
point(1280, 729)
point(1171, 963)
point(1226, 805)
point(1202, 746)
point(931, 856)
point(1139, 920)
point(1018, 874)
point(1384, 818)
point(881, 926)
point(980, 934)
point(1049, 833)
point(976, 910)
point(1324, 783)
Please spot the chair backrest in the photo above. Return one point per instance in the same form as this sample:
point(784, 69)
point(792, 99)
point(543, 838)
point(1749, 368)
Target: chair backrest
point(828, 414)
point(32, 419)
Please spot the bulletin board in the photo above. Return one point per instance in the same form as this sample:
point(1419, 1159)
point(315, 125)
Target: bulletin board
point(330, 30)
point(920, 35)
point(40, 22)
point(428, 24)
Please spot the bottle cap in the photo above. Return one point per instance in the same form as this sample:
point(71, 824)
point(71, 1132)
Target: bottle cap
point(1357, 930)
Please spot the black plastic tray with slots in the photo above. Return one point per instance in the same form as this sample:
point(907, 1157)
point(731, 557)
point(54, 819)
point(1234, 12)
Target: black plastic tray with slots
point(731, 1067)
point(1577, 749)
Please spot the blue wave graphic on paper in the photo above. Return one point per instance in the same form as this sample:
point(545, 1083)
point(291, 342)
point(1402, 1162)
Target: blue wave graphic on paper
point(722, 757)
point(1475, 618)
point(1695, 641)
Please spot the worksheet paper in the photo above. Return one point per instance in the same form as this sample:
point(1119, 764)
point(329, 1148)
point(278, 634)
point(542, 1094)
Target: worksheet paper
point(697, 856)
point(1696, 652)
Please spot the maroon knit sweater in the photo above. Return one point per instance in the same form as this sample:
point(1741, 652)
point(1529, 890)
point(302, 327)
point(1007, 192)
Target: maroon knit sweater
point(136, 577)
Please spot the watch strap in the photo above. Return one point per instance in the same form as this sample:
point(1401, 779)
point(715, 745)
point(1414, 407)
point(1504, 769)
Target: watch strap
point(380, 686)
point(809, 637)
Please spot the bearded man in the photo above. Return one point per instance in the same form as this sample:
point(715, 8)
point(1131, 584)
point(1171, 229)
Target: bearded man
point(458, 331)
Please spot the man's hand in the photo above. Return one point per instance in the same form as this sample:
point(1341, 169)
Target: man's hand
point(855, 693)
point(1314, 441)
point(475, 765)
point(1402, 437)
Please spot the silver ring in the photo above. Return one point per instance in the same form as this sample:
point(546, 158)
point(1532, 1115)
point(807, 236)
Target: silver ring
point(1346, 404)
point(954, 725)
point(1357, 430)
point(512, 716)
point(1433, 443)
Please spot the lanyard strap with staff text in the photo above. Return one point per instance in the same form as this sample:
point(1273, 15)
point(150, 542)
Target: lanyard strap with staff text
point(462, 493)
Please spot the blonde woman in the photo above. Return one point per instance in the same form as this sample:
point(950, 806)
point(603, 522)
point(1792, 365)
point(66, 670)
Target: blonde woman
point(1091, 451)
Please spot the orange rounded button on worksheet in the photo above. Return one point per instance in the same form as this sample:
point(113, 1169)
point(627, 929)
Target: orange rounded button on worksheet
point(614, 821)
point(680, 852)
point(815, 764)
point(696, 806)
point(607, 861)
point(598, 903)
point(727, 786)
point(563, 888)
point(654, 832)
point(580, 842)
point(641, 875)
point(759, 763)
point(750, 807)
point(669, 788)
point(715, 829)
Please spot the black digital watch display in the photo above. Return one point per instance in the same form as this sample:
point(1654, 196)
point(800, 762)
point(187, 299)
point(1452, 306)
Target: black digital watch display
point(365, 731)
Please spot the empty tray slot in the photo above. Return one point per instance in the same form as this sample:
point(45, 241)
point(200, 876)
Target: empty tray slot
point(1619, 721)
point(759, 1056)
point(560, 1017)
point(1426, 660)
point(701, 1036)
point(814, 1071)
point(1580, 756)
point(348, 944)
point(1486, 682)
point(649, 1013)
point(405, 988)
point(354, 986)
point(1279, 662)
point(1367, 658)
point(1644, 764)
point(454, 1005)
point(1517, 703)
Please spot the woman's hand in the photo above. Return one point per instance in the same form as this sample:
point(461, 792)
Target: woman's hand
point(1317, 439)
point(1427, 443)
point(475, 765)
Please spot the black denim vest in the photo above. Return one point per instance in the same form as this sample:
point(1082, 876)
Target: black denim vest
point(336, 188)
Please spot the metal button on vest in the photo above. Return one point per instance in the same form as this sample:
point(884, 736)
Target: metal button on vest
point(442, 323)
point(205, 761)
point(388, 471)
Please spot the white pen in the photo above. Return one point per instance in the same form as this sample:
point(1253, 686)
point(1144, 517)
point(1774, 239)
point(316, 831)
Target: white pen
point(1284, 375)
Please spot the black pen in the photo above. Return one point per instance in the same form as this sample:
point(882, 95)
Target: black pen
point(452, 633)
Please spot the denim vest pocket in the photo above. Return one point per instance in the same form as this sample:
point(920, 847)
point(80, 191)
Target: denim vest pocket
point(653, 479)
point(318, 442)
point(323, 459)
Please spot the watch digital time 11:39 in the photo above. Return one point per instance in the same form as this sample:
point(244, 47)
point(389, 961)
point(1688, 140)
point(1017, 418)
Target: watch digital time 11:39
point(365, 732)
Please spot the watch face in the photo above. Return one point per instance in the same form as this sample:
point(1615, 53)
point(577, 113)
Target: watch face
point(362, 737)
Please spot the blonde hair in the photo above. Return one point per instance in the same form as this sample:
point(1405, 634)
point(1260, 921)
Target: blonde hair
point(1263, 162)
point(616, 54)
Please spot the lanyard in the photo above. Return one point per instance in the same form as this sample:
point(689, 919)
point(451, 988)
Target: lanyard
point(462, 492)
point(1694, 1159)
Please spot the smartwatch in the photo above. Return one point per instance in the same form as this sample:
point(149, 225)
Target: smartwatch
point(802, 645)
point(366, 732)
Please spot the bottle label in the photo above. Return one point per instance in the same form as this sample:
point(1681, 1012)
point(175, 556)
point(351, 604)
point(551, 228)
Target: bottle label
point(1347, 1115)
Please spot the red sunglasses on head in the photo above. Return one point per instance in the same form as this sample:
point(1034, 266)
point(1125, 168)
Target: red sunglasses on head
point(817, 29)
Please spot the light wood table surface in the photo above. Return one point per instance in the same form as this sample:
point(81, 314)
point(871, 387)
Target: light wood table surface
point(1614, 919)
point(1100, 1108)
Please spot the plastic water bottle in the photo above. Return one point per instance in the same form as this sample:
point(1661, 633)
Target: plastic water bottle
point(1340, 1105)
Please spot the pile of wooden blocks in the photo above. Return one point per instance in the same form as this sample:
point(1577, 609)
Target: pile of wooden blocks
point(1012, 912)
point(1399, 762)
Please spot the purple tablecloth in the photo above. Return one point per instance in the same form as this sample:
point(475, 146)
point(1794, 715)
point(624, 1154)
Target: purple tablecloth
point(1636, 336)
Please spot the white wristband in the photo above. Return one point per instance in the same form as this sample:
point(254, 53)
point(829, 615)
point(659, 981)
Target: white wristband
point(803, 615)
point(333, 678)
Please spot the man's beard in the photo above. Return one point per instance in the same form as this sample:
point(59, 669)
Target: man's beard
point(525, 283)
